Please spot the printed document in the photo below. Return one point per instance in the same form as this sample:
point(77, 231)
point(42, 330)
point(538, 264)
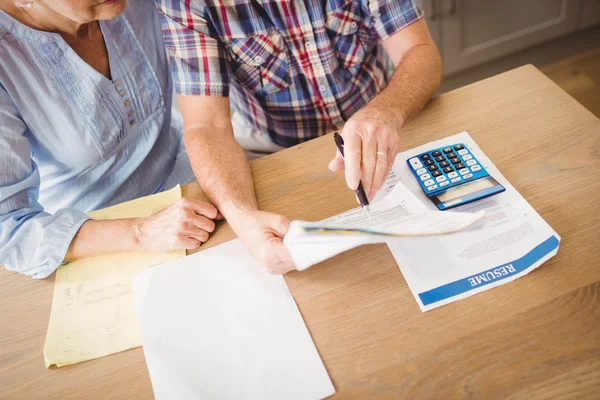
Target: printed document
point(215, 325)
point(93, 310)
point(396, 214)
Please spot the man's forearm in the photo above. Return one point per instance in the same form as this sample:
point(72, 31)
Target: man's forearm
point(222, 170)
point(415, 79)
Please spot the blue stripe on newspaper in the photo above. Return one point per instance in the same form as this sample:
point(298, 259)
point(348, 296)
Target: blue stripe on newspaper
point(491, 275)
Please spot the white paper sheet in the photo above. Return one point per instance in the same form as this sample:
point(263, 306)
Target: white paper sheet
point(510, 241)
point(214, 325)
point(396, 214)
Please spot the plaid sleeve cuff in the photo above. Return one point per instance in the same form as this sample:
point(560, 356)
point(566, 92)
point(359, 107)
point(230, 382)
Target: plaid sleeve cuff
point(190, 80)
point(394, 15)
point(198, 59)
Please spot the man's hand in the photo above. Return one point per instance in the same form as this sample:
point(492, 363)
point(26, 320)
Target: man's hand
point(371, 142)
point(372, 135)
point(262, 233)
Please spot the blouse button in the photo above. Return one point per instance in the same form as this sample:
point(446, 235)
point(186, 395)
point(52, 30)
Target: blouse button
point(131, 123)
point(258, 59)
point(130, 113)
point(117, 82)
point(126, 103)
point(353, 25)
point(122, 93)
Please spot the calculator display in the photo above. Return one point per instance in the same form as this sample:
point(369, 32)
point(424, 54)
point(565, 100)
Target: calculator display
point(465, 189)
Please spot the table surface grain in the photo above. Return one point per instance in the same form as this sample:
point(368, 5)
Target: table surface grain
point(537, 337)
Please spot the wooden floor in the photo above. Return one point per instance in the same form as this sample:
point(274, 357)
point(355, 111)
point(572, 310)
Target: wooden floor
point(579, 76)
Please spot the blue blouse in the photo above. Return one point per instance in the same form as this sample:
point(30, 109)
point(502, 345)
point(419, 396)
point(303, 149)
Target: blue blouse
point(72, 141)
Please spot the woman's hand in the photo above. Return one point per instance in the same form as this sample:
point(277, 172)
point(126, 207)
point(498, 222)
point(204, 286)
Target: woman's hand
point(184, 225)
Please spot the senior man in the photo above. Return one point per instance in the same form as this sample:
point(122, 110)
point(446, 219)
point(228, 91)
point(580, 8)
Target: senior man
point(292, 71)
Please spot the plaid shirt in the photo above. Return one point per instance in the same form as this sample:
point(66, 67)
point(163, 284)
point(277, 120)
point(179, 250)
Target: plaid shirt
point(294, 69)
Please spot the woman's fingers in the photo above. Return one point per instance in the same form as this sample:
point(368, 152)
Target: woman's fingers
point(189, 243)
point(199, 207)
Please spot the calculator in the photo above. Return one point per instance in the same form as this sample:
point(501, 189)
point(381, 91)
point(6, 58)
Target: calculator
point(451, 176)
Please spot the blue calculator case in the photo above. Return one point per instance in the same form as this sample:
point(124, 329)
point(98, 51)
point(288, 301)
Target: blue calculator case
point(451, 176)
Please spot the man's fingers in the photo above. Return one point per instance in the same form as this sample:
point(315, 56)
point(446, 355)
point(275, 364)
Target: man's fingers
point(369, 160)
point(352, 158)
point(279, 225)
point(279, 260)
point(381, 171)
point(337, 164)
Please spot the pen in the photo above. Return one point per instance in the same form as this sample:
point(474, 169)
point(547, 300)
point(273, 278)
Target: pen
point(360, 191)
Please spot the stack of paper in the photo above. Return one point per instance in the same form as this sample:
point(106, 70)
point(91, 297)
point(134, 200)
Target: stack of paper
point(93, 310)
point(215, 325)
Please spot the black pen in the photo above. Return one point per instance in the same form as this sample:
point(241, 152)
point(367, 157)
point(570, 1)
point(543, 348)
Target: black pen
point(360, 191)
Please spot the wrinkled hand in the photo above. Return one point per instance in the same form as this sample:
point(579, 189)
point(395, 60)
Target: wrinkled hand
point(184, 225)
point(262, 233)
point(371, 142)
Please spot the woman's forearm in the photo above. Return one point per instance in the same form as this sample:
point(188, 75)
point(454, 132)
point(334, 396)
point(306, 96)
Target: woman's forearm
point(183, 225)
point(103, 237)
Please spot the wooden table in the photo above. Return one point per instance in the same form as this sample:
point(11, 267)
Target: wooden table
point(539, 335)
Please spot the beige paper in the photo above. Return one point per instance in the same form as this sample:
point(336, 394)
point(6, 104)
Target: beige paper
point(93, 309)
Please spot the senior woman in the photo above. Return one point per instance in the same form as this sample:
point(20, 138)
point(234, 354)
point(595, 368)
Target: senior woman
point(85, 122)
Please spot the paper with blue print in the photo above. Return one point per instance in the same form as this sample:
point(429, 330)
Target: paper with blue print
point(512, 241)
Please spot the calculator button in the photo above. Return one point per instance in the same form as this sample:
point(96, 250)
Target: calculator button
point(429, 182)
point(448, 170)
point(421, 171)
point(415, 163)
point(455, 160)
point(459, 147)
point(440, 159)
point(463, 152)
point(467, 176)
point(444, 164)
point(425, 157)
point(454, 180)
point(429, 162)
point(475, 168)
point(460, 166)
point(464, 171)
point(442, 184)
point(471, 162)
point(467, 157)
point(448, 150)
point(436, 173)
point(432, 187)
point(440, 178)
point(433, 167)
point(452, 175)
point(424, 177)
point(436, 153)
point(451, 155)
